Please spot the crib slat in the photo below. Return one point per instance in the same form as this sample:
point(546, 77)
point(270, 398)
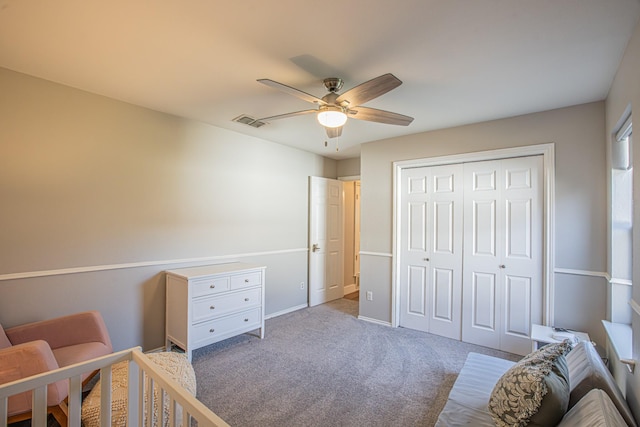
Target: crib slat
point(141, 378)
point(172, 411)
point(161, 405)
point(133, 394)
point(75, 401)
point(39, 407)
point(105, 396)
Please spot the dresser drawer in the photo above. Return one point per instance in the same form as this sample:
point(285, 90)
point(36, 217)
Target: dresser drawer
point(210, 285)
point(208, 308)
point(247, 279)
point(227, 325)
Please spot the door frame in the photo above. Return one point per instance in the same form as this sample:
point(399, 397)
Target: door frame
point(547, 151)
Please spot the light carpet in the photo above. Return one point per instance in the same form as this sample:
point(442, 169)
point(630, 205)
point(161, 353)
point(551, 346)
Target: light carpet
point(321, 366)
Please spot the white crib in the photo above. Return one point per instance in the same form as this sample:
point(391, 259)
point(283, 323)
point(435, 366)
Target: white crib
point(141, 371)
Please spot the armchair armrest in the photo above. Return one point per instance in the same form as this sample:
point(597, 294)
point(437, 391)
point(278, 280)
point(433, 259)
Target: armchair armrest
point(63, 331)
point(25, 360)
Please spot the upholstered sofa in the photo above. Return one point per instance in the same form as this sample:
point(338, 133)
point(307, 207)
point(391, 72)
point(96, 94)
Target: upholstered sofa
point(594, 397)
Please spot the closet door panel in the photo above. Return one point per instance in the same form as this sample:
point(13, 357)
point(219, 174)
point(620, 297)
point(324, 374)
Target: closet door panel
point(431, 250)
point(522, 252)
point(482, 294)
point(414, 279)
point(445, 244)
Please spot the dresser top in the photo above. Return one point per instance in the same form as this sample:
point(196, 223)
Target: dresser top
point(207, 270)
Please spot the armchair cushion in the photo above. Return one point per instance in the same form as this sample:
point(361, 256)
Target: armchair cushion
point(79, 353)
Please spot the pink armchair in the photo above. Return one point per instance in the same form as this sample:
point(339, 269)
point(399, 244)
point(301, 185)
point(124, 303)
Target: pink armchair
point(50, 344)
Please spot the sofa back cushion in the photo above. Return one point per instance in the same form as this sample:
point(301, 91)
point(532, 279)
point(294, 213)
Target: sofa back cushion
point(586, 372)
point(4, 341)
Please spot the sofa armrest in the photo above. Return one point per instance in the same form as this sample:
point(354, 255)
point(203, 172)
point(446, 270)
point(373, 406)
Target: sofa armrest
point(78, 328)
point(587, 371)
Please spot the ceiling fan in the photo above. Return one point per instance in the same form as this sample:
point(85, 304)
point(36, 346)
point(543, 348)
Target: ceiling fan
point(334, 109)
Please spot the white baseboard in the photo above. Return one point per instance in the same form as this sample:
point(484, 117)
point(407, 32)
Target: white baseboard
point(348, 289)
point(285, 311)
point(376, 321)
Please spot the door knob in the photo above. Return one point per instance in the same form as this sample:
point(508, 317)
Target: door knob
point(502, 266)
point(315, 247)
point(426, 259)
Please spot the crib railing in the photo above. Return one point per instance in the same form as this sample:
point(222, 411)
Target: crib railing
point(143, 374)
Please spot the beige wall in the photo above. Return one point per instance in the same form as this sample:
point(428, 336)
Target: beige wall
point(625, 93)
point(348, 167)
point(88, 181)
point(580, 203)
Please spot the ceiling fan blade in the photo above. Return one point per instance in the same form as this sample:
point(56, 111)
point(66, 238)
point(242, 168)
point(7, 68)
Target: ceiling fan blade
point(380, 116)
point(369, 90)
point(284, 116)
point(292, 91)
point(334, 132)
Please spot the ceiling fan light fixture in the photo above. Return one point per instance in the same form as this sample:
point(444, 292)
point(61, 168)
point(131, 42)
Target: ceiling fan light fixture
point(331, 116)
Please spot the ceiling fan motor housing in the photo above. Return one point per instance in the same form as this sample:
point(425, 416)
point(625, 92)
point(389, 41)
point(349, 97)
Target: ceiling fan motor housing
point(333, 84)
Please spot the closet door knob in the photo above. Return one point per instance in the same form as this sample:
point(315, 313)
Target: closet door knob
point(426, 259)
point(502, 266)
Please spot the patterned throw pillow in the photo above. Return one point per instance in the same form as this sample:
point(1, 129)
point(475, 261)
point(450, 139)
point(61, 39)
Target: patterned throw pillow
point(535, 391)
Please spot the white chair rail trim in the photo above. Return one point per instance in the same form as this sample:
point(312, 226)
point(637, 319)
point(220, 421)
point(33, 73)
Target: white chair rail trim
point(94, 268)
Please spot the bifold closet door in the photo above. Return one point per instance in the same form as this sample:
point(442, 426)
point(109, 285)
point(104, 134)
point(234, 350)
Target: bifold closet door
point(431, 250)
point(502, 277)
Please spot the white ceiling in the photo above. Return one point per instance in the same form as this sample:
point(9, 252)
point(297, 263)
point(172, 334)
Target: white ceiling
point(461, 61)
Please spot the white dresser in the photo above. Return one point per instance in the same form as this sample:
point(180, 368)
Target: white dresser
point(211, 303)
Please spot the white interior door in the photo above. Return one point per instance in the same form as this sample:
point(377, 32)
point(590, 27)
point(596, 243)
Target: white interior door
point(502, 278)
point(431, 250)
point(326, 258)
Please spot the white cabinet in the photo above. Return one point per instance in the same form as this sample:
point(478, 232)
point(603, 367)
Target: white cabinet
point(211, 303)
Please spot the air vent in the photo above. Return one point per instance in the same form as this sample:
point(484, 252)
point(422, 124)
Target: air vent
point(248, 120)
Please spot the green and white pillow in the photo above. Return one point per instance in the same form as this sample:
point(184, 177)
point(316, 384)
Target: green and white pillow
point(535, 391)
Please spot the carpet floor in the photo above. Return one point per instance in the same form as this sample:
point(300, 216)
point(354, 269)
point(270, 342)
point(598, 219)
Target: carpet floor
point(321, 366)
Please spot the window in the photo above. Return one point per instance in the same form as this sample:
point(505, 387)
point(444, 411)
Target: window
point(621, 224)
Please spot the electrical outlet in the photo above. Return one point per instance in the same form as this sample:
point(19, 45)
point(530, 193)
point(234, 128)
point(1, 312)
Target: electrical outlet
point(369, 295)
point(301, 285)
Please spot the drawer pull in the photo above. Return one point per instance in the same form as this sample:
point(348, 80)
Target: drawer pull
point(212, 330)
point(246, 299)
point(213, 307)
point(246, 280)
point(212, 286)
point(246, 320)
